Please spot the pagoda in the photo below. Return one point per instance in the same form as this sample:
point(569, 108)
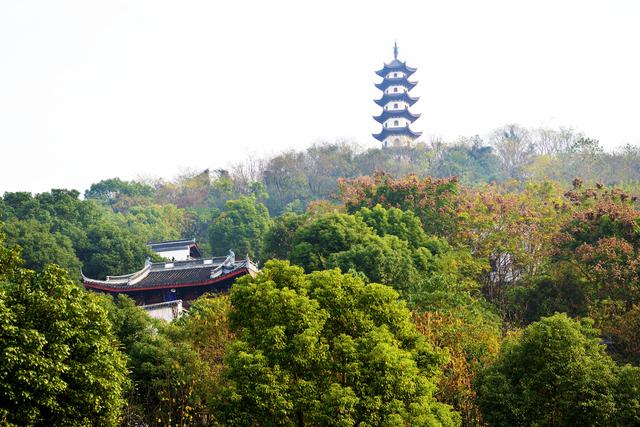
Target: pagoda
point(395, 102)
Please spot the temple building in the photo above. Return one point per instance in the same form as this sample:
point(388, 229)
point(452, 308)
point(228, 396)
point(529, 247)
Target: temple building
point(395, 102)
point(162, 288)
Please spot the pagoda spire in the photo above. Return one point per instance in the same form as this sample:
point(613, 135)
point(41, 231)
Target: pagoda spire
point(395, 102)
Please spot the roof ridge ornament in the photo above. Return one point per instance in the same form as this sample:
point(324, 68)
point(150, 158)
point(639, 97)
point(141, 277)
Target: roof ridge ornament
point(395, 50)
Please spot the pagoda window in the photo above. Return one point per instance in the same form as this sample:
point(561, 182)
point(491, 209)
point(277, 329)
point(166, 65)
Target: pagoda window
point(395, 105)
point(395, 123)
point(395, 89)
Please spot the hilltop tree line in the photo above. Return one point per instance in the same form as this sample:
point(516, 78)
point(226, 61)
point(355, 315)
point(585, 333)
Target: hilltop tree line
point(502, 295)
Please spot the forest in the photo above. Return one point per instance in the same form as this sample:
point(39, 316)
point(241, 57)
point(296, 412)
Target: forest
point(477, 282)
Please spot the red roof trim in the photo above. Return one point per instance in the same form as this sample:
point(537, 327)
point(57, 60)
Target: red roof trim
point(180, 285)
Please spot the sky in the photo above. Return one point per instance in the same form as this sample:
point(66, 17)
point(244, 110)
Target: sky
point(91, 90)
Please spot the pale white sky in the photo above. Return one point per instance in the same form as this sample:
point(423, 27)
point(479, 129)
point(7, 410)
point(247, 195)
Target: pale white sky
point(95, 89)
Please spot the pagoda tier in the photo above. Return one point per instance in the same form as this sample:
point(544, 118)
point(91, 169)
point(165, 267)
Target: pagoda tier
point(396, 97)
point(394, 67)
point(402, 113)
point(395, 132)
point(396, 81)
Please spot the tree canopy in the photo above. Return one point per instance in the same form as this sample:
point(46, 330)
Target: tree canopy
point(59, 360)
point(327, 348)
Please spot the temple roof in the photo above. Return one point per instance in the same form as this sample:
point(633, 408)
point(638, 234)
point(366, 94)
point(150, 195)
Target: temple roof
point(400, 96)
point(396, 65)
point(396, 81)
point(398, 131)
point(404, 113)
point(174, 245)
point(167, 275)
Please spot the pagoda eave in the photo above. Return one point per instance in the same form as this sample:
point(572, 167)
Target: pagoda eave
point(388, 114)
point(396, 66)
point(396, 82)
point(400, 131)
point(390, 97)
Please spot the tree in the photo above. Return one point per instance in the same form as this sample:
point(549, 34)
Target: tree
point(387, 260)
point(433, 200)
point(327, 234)
point(553, 142)
point(403, 224)
point(467, 158)
point(153, 222)
point(286, 181)
point(325, 348)
point(109, 191)
point(513, 146)
point(206, 329)
point(190, 189)
point(241, 226)
point(555, 373)
point(112, 251)
point(602, 241)
point(59, 362)
point(279, 241)
point(171, 382)
point(451, 314)
point(41, 247)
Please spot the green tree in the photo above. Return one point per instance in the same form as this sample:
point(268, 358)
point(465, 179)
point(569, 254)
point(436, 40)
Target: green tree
point(41, 247)
point(153, 222)
point(387, 260)
point(170, 382)
point(241, 226)
point(59, 362)
point(326, 348)
point(451, 315)
point(328, 234)
point(402, 224)
point(109, 191)
point(286, 181)
point(279, 241)
point(555, 373)
point(112, 251)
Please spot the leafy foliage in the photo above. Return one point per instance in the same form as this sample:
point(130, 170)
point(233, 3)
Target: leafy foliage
point(325, 347)
point(59, 363)
point(555, 373)
point(241, 226)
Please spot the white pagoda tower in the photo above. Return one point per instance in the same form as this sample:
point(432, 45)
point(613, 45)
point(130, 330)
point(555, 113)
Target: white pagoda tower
point(395, 102)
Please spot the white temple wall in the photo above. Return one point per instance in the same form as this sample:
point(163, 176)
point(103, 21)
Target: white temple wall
point(395, 75)
point(166, 311)
point(176, 255)
point(396, 105)
point(400, 89)
point(390, 123)
point(395, 141)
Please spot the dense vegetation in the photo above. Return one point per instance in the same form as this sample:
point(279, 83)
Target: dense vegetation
point(474, 283)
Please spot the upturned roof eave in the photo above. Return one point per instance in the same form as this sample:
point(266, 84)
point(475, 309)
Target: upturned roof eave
point(396, 82)
point(400, 66)
point(402, 96)
point(386, 132)
point(120, 289)
point(405, 114)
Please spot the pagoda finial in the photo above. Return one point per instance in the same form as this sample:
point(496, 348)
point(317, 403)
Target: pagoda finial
point(395, 50)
